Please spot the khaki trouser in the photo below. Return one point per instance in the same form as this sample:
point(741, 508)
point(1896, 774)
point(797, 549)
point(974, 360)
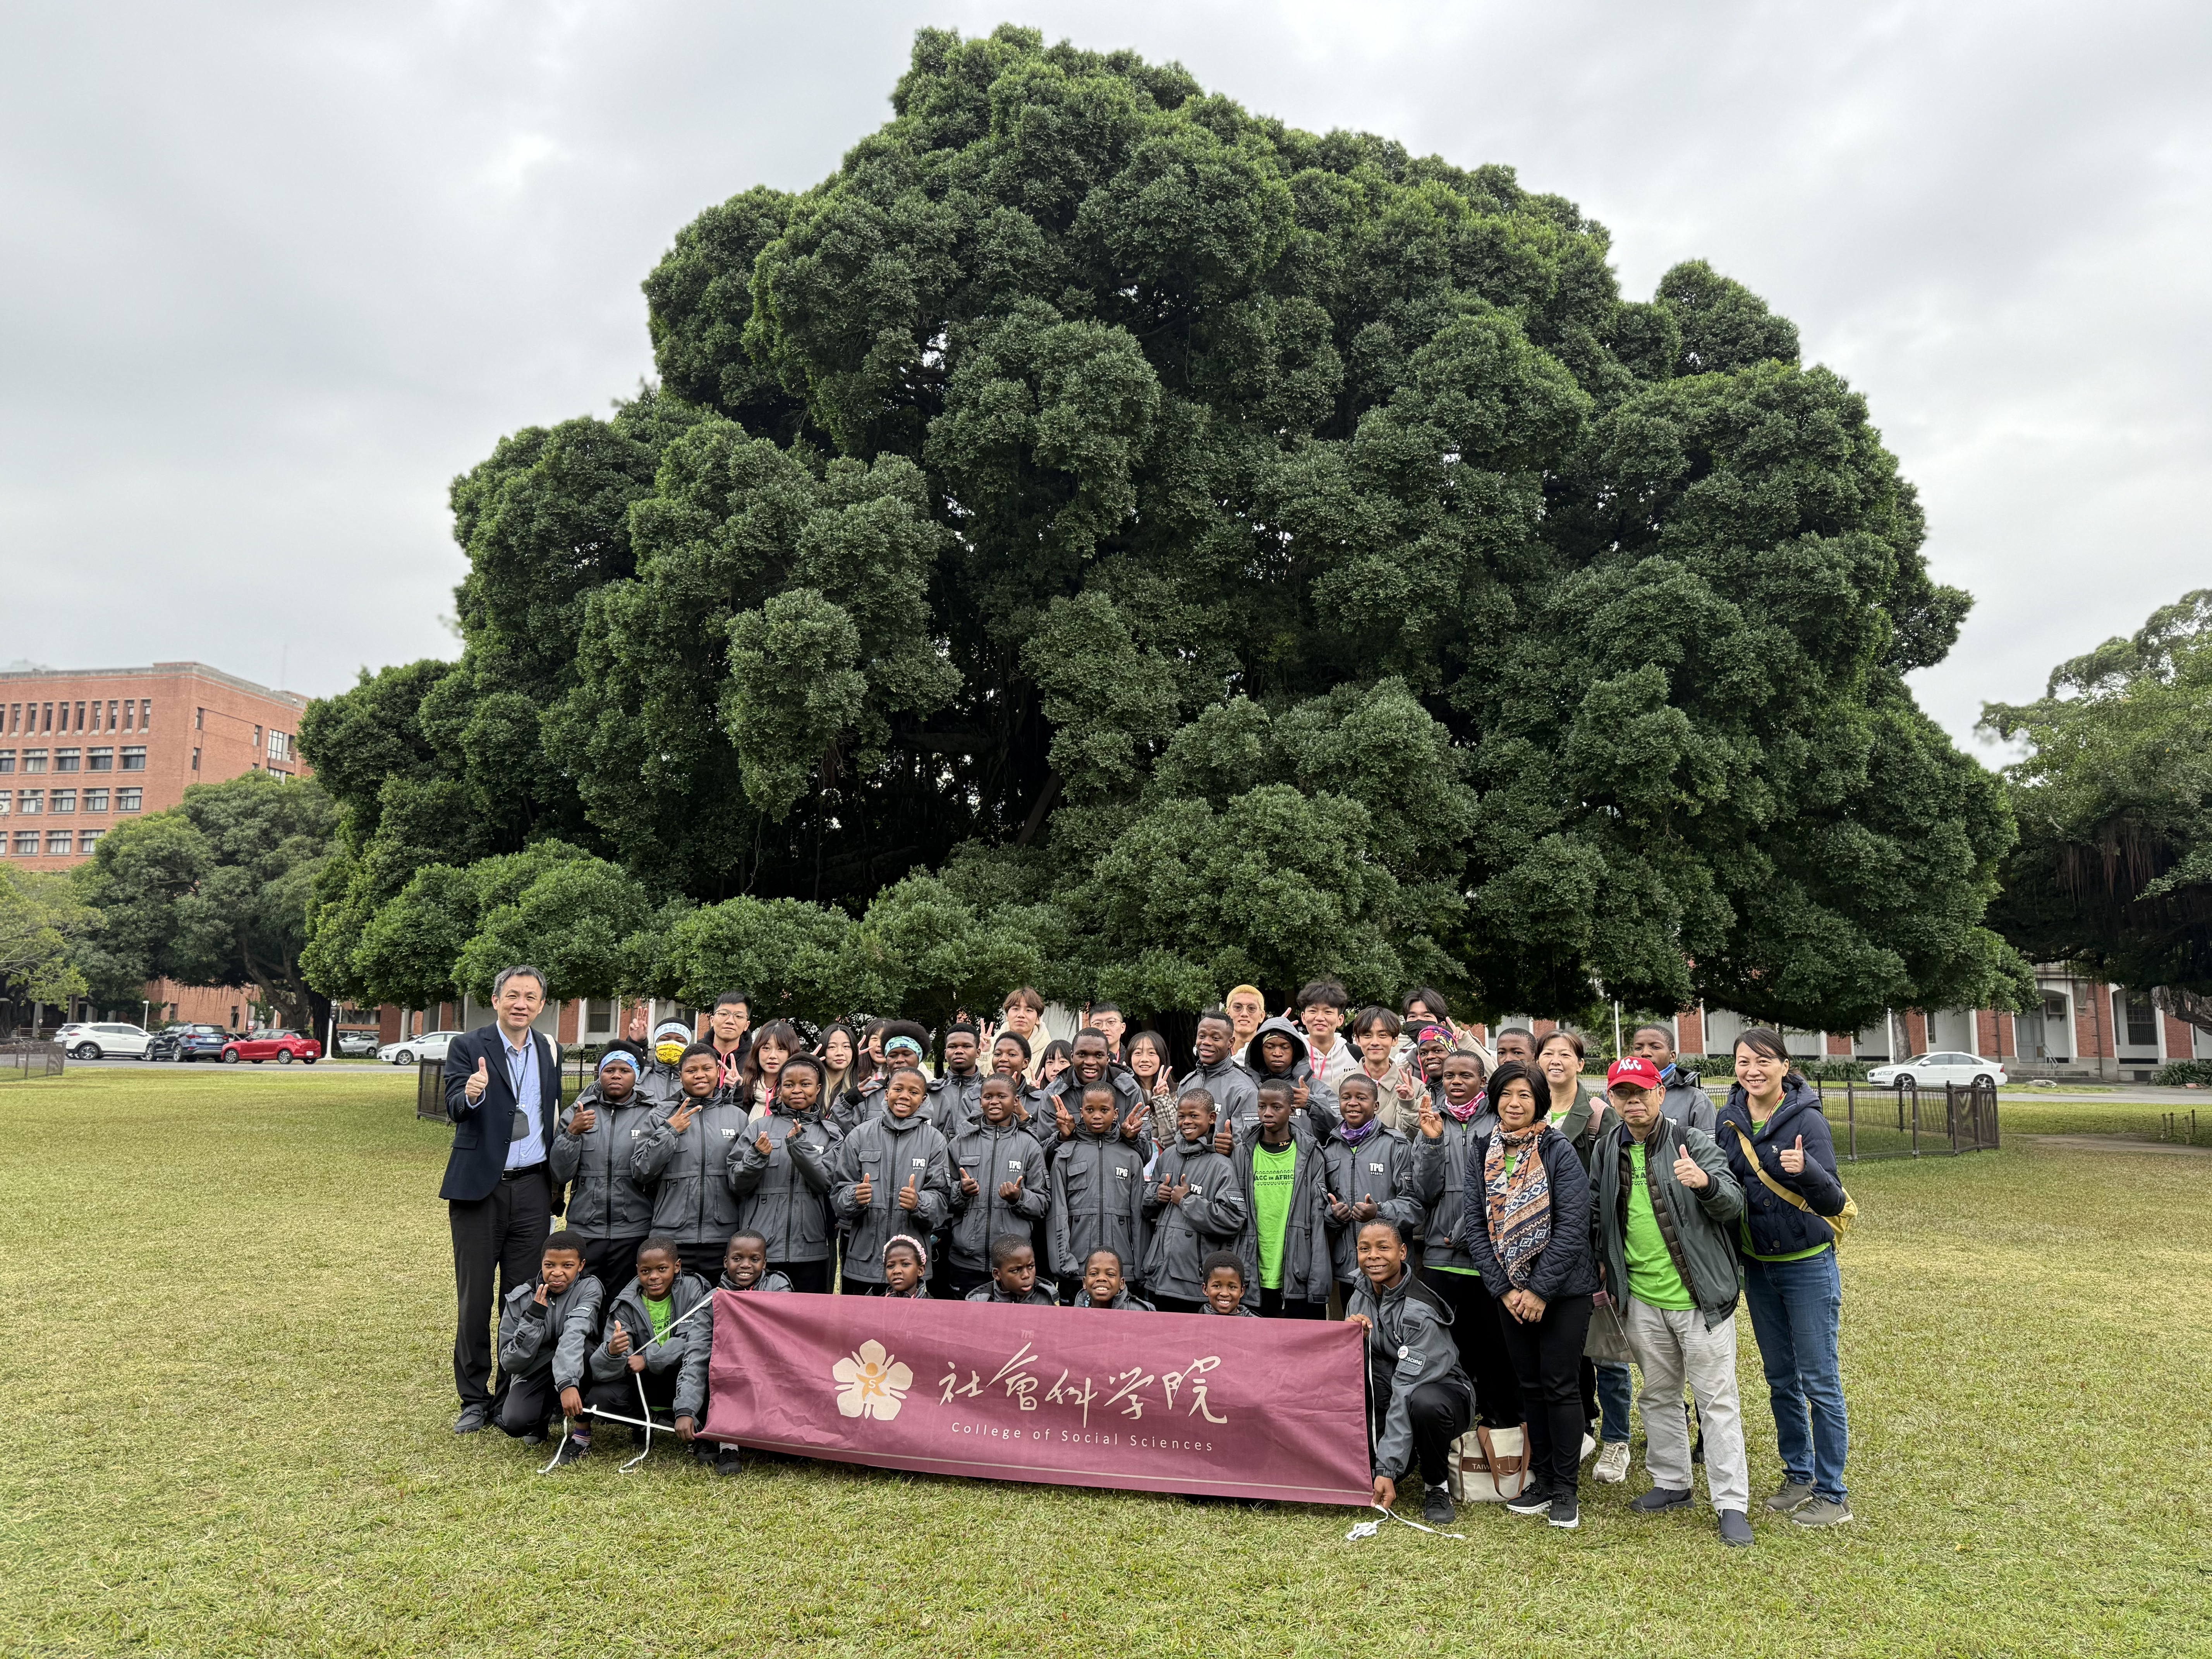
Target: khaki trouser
point(1674, 1348)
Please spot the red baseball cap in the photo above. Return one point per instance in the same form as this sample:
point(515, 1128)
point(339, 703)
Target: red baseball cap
point(1635, 1070)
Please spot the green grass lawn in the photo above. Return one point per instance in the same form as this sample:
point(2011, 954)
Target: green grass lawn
point(233, 1404)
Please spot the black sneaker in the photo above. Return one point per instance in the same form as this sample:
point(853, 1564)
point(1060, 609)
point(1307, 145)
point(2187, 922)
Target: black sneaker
point(1661, 1499)
point(1537, 1500)
point(536, 1436)
point(473, 1419)
point(571, 1451)
point(1736, 1529)
point(1566, 1513)
point(1437, 1507)
point(729, 1460)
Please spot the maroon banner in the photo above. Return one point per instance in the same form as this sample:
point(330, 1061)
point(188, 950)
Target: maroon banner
point(1153, 1403)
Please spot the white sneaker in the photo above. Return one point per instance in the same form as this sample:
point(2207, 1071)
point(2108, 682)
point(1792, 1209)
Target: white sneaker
point(1612, 1463)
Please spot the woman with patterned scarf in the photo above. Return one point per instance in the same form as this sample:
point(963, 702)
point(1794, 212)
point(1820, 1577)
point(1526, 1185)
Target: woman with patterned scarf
point(1527, 1226)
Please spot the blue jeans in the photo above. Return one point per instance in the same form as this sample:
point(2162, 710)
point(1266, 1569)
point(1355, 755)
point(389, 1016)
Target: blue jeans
point(1796, 1312)
point(1614, 1392)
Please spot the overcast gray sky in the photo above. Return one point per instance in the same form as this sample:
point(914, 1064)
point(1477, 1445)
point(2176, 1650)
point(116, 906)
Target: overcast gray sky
point(272, 273)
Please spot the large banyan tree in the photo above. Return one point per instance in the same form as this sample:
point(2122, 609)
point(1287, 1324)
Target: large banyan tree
point(1103, 535)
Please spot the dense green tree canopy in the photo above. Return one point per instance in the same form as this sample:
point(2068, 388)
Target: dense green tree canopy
point(43, 921)
point(1216, 550)
point(2114, 797)
point(215, 891)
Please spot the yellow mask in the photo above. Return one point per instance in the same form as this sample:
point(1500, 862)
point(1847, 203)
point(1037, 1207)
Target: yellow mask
point(668, 1053)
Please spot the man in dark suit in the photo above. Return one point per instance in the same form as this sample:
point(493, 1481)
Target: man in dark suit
point(503, 1094)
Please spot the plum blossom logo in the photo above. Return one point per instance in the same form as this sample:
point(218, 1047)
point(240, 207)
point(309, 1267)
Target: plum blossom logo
point(871, 1384)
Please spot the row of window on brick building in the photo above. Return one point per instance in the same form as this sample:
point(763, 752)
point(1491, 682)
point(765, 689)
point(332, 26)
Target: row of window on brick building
point(124, 715)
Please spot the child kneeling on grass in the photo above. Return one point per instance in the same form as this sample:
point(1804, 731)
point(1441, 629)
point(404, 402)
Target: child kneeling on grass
point(651, 1342)
point(1224, 1286)
point(1103, 1286)
point(545, 1334)
point(1419, 1399)
point(1013, 1274)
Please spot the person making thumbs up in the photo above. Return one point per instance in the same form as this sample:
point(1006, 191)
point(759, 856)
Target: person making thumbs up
point(1779, 1152)
point(892, 1175)
point(502, 1092)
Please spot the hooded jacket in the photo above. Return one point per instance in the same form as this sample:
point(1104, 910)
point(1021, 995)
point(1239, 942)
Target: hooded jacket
point(1235, 1096)
point(1687, 1105)
point(1067, 1089)
point(685, 1351)
point(993, 1157)
point(689, 1175)
point(1097, 1202)
point(1776, 1227)
point(1440, 1183)
point(606, 1200)
point(1210, 1218)
point(954, 1104)
point(770, 1281)
point(1409, 1342)
point(558, 1334)
point(1306, 1263)
point(887, 1150)
point(1567, 1266)
point(783, 1194)
point(1380, 1167)
point(1700, 1228)
point(1039, 1297)
point(1128, 1302)
point(1319, 1110)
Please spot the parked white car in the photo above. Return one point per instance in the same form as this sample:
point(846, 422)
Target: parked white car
point(1934, 1071)
point(92, 1041)
point(431, 1045)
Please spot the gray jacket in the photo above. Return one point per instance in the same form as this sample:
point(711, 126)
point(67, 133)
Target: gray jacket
point(783, 1194)
point(689, 1176)
point(1067, 1089)
point(1306, 1262)
point(1440, 1183)
point(1210, 1218)
point(1693, 1107)
point(993, 1157)
point(1097, 1202)
point(1128, 1302)
point(607, 1200)
point(1235, 1096)
point(1409, 1342)
point(1700, 1228)
point(1380, 1167)
point(1319, 1109)
point(685, 1352)
point(1039, 1297)
point(887, 1150)
point(558, 1334)
point(954, 1104)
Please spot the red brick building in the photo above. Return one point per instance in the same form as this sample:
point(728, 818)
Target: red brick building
point(82, 750)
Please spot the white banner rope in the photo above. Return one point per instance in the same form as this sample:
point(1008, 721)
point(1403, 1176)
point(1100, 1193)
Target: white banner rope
point(1369, 1529)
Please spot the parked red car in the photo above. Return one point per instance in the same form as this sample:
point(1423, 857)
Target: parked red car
point(282, 1046)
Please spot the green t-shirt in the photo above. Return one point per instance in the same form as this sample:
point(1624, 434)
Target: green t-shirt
point(1273, 1176)
point(662, 1314)
point(1652, 1280)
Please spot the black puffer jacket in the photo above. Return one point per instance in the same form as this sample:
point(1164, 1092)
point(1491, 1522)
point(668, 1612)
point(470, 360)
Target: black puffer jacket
point(1567, 1265)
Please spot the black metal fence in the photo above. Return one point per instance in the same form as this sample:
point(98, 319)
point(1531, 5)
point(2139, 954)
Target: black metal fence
point(21, 1057)
point(1904, 1121)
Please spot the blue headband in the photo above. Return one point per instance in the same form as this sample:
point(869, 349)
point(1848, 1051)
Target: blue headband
point(618, 1057)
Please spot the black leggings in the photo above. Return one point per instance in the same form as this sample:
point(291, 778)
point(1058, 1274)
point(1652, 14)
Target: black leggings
point(529, 1400)
point(1547, 1356)
point(1475, 1327)
point(1272, 1305)
point(613, 1262)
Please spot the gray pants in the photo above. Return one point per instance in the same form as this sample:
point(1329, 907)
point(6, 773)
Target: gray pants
point(1672, 1349)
